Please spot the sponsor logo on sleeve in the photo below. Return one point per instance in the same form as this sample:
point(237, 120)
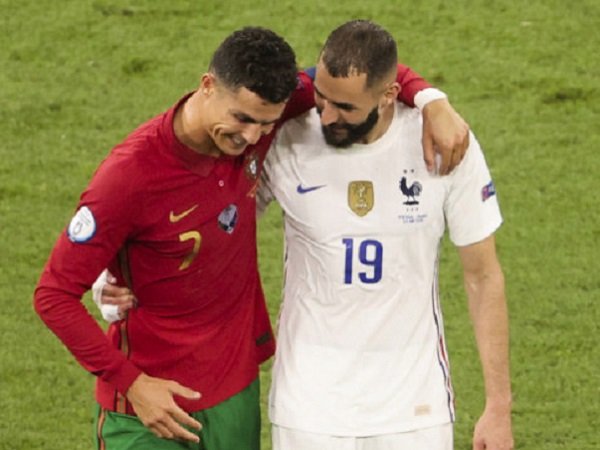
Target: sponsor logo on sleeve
point(83, 226)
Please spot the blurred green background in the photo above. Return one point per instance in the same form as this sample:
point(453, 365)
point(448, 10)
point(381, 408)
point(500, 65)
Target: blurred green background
point(77, 76)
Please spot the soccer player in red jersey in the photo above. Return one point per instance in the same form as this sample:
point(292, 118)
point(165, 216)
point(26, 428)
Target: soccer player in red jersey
point(171, 212)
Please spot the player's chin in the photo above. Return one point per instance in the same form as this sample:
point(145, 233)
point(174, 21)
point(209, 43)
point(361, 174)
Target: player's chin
point(336, 137)
point(231, 146)
point(233, 151)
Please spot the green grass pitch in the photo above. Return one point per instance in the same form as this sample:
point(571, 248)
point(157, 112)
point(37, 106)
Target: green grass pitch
point(77, 75)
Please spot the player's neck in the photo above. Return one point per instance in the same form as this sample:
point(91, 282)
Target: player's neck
point(382, 125)
point(189, 130)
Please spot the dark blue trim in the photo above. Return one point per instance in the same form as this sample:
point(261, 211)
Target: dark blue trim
point(311, 72)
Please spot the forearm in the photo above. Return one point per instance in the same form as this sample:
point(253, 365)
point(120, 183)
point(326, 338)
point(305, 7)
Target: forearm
point(411, 83)
point(489, 314)
point(57, 302)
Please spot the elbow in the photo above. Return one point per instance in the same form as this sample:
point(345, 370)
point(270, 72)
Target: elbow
point(47, 299)
point(41, 305)
point(483, 280)
point(484, 273)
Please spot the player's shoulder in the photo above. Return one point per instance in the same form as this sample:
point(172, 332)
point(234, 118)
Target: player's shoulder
point(407, 116)
point(143, 139)
point(132, 163)
point(473, 163)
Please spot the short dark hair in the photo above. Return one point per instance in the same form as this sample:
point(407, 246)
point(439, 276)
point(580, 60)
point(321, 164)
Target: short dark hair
point(259, 60)
point(360, 46)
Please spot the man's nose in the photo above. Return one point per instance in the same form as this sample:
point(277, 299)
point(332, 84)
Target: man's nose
point(252, 133)
point(329, 114)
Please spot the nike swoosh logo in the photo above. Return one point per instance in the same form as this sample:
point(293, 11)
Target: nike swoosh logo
point(173, 218)
point(303, 190)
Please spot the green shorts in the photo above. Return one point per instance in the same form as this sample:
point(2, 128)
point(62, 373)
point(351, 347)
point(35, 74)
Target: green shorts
point(232, 424)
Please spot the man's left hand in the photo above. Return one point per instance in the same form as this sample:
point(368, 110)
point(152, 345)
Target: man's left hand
point(445, 133)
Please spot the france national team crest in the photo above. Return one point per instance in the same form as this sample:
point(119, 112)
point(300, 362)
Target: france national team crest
point(488, 191)
point(83, 226)
point(361, 197)
point(411, 192)
point(228, 218)
point(252, 162)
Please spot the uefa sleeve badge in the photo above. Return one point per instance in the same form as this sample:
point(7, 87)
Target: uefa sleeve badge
point(83, 226)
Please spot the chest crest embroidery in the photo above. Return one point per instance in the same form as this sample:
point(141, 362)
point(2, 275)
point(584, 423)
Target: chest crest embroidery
point(361, 197)
point(251, 166)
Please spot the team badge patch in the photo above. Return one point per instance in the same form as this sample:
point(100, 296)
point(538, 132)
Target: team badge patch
point(252, 162)
point(228, 218)
point(488, 191)
point(361, 197)
point(411, 192)
point(83, 226)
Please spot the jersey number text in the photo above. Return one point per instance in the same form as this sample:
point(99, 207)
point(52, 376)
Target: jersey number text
point(370, 254)
point(193, 236)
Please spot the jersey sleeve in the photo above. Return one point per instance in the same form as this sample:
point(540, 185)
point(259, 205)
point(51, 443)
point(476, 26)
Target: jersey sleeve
point(302, 98)
point(471, 208)
point(410, 83)
point(104, 219)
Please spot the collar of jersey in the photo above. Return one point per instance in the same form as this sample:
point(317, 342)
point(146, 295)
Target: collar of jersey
point(201, 165)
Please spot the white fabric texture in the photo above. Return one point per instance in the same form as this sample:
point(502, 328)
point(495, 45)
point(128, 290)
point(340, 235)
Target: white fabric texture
point(361, 349)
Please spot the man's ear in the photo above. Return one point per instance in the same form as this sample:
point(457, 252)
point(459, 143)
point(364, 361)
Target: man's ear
point(207, 84)
point(391, 92)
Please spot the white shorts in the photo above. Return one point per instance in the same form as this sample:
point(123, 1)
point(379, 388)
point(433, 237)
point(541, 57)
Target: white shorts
point(434, 438)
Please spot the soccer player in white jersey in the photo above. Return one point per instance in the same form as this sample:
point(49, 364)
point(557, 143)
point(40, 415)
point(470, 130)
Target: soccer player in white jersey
point(361, 361)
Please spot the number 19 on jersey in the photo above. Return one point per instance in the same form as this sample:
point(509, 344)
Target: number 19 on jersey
point(368, 254)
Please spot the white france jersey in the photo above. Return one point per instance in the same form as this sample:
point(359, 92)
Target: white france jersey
point(361, 347)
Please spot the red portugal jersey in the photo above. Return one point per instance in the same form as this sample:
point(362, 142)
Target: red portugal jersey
point(180, 229)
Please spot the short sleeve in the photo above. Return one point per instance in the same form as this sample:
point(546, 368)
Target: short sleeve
point(471, 208)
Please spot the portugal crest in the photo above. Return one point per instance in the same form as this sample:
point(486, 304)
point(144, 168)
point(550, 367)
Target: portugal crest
point(361, 197)
point(252, 162)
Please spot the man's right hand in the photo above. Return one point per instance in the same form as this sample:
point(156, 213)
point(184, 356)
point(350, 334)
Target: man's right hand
point(152, 401)
point(445, 133)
